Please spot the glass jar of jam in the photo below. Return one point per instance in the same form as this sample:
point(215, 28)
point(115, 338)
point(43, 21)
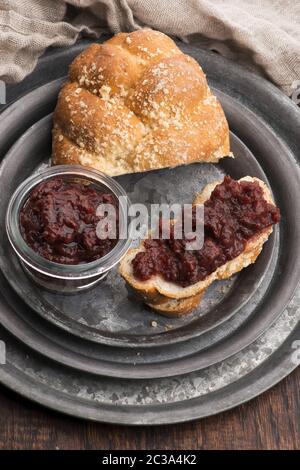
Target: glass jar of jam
point(52, 222)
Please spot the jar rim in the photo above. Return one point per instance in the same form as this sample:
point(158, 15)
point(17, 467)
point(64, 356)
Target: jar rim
point(59, 270)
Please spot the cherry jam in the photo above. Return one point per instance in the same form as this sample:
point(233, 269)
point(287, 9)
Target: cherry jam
point(59, 221)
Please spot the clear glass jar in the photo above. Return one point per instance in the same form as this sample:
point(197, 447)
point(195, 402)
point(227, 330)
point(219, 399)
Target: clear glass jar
point(62, 277)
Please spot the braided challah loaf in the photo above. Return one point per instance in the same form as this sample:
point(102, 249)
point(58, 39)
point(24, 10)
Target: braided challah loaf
point(137, 103)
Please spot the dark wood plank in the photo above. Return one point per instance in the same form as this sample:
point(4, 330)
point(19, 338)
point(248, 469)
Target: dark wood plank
point(271, 421)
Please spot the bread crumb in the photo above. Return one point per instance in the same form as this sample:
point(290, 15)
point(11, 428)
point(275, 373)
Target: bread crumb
point(154, 324)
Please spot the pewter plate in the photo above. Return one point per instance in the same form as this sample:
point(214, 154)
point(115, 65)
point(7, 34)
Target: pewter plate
point(108, 314)
point(165, 361)
point(157, 401)
point(222, 301)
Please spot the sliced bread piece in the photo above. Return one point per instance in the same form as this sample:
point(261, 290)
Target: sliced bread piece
point(157, 290)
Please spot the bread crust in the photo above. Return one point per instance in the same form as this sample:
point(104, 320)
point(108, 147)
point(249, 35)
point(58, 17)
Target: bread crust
point(157, 290)
point(137, 103)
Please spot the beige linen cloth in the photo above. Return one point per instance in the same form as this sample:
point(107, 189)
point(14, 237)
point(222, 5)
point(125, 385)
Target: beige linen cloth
point(261, 34)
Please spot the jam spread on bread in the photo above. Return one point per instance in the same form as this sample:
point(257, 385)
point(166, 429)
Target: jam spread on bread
point(58, 221)
point(234, 213)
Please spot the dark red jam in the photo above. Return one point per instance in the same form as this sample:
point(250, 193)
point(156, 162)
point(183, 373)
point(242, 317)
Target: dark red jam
point(58, 221)
point(235, 212)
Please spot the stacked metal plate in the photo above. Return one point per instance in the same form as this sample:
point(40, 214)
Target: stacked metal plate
point(102, 355)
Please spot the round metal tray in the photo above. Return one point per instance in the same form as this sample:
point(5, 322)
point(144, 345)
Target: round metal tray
point(252, 126)
point(156, 401)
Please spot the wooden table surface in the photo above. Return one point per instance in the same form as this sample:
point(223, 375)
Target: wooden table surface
point(271, 421)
